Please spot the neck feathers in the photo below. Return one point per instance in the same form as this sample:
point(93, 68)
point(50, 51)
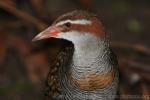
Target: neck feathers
point(88, 49)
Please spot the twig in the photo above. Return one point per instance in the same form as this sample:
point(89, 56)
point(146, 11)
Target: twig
point(123, 91)
point(21, 45)
point(10, 2)
point(40, 9)
point(11, 25)
point(145, 91)
point(129, 65)
point(136, 65)
point(22, 15)
point(136, 47)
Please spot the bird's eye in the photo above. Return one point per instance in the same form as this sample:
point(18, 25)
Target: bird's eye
point(68, 24)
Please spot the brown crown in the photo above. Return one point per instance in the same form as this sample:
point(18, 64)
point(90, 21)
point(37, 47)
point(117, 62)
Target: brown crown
point(96, 27)
point(77, 14)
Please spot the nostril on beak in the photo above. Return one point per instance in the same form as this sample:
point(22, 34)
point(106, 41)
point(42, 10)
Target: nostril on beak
point(52, 31)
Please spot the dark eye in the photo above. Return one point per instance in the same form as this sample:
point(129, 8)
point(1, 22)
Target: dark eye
point(68, 24)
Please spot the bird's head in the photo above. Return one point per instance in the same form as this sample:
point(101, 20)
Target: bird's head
point(74, 26)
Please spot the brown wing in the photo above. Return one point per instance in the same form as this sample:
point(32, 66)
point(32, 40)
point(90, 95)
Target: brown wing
point(53, 88)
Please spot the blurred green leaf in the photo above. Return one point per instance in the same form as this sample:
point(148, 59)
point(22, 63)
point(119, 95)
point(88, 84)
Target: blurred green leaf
point(134, 26)
point(120, 7)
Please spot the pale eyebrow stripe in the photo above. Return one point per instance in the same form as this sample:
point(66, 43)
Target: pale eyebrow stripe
point(79, 21)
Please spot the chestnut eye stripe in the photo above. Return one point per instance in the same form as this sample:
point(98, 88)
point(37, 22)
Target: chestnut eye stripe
point(79, 21)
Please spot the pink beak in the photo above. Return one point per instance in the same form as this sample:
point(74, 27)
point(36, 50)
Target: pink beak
point(52, 31)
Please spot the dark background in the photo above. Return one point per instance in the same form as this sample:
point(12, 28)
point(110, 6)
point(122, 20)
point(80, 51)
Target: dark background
point(23, 67)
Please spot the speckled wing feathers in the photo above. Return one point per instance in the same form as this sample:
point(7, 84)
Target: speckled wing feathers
point(56, 72)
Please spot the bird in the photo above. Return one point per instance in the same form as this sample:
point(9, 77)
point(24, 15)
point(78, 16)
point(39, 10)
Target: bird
point(86, 67)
